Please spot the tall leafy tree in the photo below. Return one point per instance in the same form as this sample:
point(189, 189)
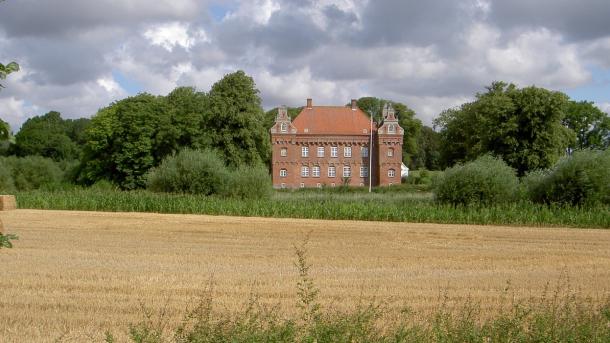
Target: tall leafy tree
point(121, 141)
point(47, 136)
point(428, 149)
point(235, 121)
point(589, 123)
point(523, 126)
point(406, 118)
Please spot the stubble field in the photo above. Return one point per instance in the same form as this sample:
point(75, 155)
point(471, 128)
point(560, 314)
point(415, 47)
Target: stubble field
point(74, 275)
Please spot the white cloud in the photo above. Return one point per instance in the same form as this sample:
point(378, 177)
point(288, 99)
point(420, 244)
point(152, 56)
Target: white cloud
point(604, 106)
point(170, 35)
point(538, 57)
point(259, 11)
point(110, 85)
point(16, 111)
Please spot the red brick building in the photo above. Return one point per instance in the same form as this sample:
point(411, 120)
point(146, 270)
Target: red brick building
point(331, 146)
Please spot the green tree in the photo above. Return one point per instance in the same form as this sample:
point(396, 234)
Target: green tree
point(428, 152)
point(5, 131)
point(46, 136)
point(406, 118)
point(235, 121)
point(129, 137)
point(589, 123)
point(122, 141)
point(522, 126)
point(7, 69)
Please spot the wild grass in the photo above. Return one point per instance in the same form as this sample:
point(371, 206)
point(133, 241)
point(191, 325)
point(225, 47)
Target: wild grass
point(394, 207)
point(557, 317)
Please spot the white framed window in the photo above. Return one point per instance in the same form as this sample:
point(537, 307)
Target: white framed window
point(390, 152)
point(283, 172)
point(391, 128)
point(304, 171)
point(364, 171)
point(332, 184)
point(364, 151)
point(347, 151)
point(284, 127)
point(302, 185)
point(334, 151)
point(315, 171)
point(284, 152)
point(320, 151)
point(332, 171)
point(304, 151)
point(391, 173)
point(283, 185)
point(347, 171)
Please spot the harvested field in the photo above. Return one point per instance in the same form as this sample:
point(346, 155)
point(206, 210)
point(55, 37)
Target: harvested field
point(76, 274)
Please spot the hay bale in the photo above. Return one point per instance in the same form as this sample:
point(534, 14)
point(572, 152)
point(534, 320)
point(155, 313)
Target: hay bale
point(7, 202)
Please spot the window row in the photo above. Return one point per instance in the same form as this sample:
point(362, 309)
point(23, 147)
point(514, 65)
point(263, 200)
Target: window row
point(334, 151)
point(347, 151)
point(332, 172)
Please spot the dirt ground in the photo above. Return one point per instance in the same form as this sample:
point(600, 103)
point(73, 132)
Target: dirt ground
point(73, 275)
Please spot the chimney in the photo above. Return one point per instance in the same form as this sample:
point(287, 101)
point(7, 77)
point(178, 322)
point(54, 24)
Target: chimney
point(309, 103)
point(354, 105)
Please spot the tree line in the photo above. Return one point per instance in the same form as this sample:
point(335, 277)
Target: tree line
point(529, 128)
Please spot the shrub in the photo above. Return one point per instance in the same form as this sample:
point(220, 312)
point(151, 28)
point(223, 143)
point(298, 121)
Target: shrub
point(577, 180)
point(6, 178)
point(28, 173)
point(487, 180)
point(190, 171)
point(249, 182)
point(204, 172)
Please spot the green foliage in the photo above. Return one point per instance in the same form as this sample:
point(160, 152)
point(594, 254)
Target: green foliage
point(522, 126)
point(390, 205)
point(582, 179)
point(47, 136)
point(589, 123)
point(28, 173)
point(485, 181)
point(5, 131)
point(428, 150)
point(125, 140)
point(235, 121)
point(249, 182)
point(406, 118)
point(5, 240)
point(7, 69)
point(203, 172)
point(190, 171)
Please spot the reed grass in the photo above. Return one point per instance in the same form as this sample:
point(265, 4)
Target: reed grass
point(393, 207)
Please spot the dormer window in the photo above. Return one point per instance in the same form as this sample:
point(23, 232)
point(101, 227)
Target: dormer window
point(284, 127)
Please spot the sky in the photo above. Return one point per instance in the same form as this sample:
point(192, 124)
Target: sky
point(77, 56)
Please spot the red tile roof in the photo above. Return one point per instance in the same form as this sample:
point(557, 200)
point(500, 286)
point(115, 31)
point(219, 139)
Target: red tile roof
point(338, 120)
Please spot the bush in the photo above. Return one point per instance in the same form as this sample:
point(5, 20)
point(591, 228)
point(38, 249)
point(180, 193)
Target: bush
point(204, 172)
point(28, 173)
point(190, 171)
point(582, 179)
point(250, 182)
point(487, 181)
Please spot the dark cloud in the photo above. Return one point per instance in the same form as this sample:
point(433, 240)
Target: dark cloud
point(576, 20)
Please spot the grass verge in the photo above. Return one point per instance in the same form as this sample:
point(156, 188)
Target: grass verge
point(396, 207)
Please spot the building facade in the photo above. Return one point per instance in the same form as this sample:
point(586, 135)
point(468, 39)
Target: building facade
point(335, 145)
